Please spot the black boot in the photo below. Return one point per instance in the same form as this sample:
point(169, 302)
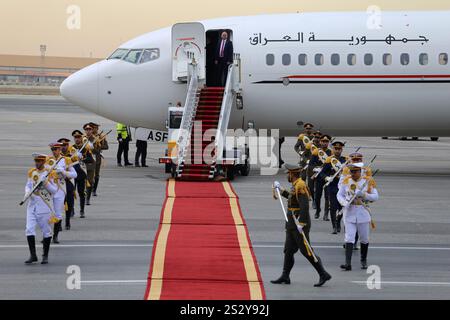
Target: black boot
point(284, 279)
point(287, 267)
point(32, 246)
point(364, 250)
point(334, 231)
point(46, 250)
point(317, 215)
point(137, 165)
point(56, 227)
point(348, 257)
point(324, 276)
point(94, 191)
point(88, 196)
point(82, 202)
point(68, 215)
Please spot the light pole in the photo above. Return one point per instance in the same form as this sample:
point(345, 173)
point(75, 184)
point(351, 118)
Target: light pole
point(43, 49)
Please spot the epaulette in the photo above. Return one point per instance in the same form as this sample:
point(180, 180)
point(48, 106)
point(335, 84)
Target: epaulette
point(300, 187)
point(346, 171)
point(315, 152)
point(301, 136)
point(68, 161)
point(368, 171)
point(329, 159)
point(371, 182)
point(30, 172)
point(308, 146)
point(346, 180)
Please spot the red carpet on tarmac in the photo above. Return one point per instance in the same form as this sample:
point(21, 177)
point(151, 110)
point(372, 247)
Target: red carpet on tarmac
point(202, 250)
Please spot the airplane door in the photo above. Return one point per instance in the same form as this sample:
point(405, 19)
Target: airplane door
point(188, 38)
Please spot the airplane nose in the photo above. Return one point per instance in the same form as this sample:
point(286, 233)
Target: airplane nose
point(81, 88)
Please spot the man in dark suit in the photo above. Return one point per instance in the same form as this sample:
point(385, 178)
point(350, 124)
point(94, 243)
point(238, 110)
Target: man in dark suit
point(224, 57)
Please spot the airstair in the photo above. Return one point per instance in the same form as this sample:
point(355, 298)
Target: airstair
point(207, 109)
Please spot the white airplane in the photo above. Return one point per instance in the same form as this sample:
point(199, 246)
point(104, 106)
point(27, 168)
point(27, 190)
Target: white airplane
point(351, 73)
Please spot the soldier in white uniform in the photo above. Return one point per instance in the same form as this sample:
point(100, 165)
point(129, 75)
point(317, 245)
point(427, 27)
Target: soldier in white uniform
point(357, 216)
point(63, 171)
point(40, 208)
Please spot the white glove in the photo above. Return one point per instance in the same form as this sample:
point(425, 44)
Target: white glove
point(345, 203)
point(61, 172)
point(316, 170)
point(79, 155)
point(360, 194)
point(277, 185)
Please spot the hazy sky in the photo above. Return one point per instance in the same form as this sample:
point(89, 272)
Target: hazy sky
point(105, 24)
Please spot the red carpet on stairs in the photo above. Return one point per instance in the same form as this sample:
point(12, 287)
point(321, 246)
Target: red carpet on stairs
point(202, 250)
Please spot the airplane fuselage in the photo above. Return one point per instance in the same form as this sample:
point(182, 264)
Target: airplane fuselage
point(351, 78)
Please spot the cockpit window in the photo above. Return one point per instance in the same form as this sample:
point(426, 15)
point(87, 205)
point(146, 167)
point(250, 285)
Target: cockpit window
point(150, 55)
point(118, 54)
point(133, 56)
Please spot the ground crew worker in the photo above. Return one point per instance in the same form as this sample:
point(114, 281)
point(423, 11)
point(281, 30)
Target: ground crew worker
point(85, 157)
point(90, 167)
point(67, 151)
point(40, 208)
point(124, 138)
point(63, 171)
point(328, 171)
point(141, 154)
point(316, 163)
point(298, 208)
point(357, 216)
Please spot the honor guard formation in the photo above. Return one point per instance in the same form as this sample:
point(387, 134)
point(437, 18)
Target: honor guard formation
point(348, 188)
point(56, 179)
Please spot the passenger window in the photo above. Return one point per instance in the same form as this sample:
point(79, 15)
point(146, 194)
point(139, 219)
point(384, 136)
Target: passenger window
point(303, 59)
point(335, 59)
point(150, 55)
point(423, 59)
point(270, 59)
point(319, 59)
point(351, 59)
point(387, 59)
point(443, 59)
point(368, 59)
point(133, 56)
point(404, 59)
point(118, 54)
point(286, 59)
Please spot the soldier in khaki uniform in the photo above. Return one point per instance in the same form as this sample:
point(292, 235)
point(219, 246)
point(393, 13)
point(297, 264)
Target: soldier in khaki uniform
point(302, 148)
point(298, 208)
point(86, 158)
point(103, 145)
point(90, 167)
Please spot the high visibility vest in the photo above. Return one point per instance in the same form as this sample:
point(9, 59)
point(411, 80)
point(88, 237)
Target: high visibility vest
point(122, 131)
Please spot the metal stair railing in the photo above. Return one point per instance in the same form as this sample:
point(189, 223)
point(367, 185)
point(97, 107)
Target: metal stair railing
point(190, 108)
point(225, 111)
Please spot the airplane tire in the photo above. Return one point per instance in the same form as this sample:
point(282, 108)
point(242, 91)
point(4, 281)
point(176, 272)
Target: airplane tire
point(415, 138)
point(245, 169)
point(384, 138)
point(434, 138)
point(230, 173)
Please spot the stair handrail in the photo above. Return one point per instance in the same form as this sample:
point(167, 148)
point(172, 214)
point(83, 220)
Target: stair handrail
point(190, 107)
point(225, 111)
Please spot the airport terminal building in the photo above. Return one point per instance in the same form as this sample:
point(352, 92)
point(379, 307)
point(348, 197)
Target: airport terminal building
point(23, 70)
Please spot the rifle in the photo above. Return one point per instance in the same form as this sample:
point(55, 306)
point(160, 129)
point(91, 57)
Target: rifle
point(331, 178)
point(40, 181)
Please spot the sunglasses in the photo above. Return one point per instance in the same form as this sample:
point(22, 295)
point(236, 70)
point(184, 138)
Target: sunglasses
point(54, 149)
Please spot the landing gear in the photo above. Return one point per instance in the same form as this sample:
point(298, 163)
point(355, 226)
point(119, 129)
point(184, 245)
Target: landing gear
point(280, 160)
point(245, 169)
point(434, 138)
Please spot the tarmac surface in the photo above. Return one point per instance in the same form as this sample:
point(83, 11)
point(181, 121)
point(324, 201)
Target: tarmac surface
point(112, 247)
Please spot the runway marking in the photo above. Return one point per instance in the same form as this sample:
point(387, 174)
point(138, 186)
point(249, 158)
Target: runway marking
point(93, 282)
point(20, 246)
point(409, 283)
